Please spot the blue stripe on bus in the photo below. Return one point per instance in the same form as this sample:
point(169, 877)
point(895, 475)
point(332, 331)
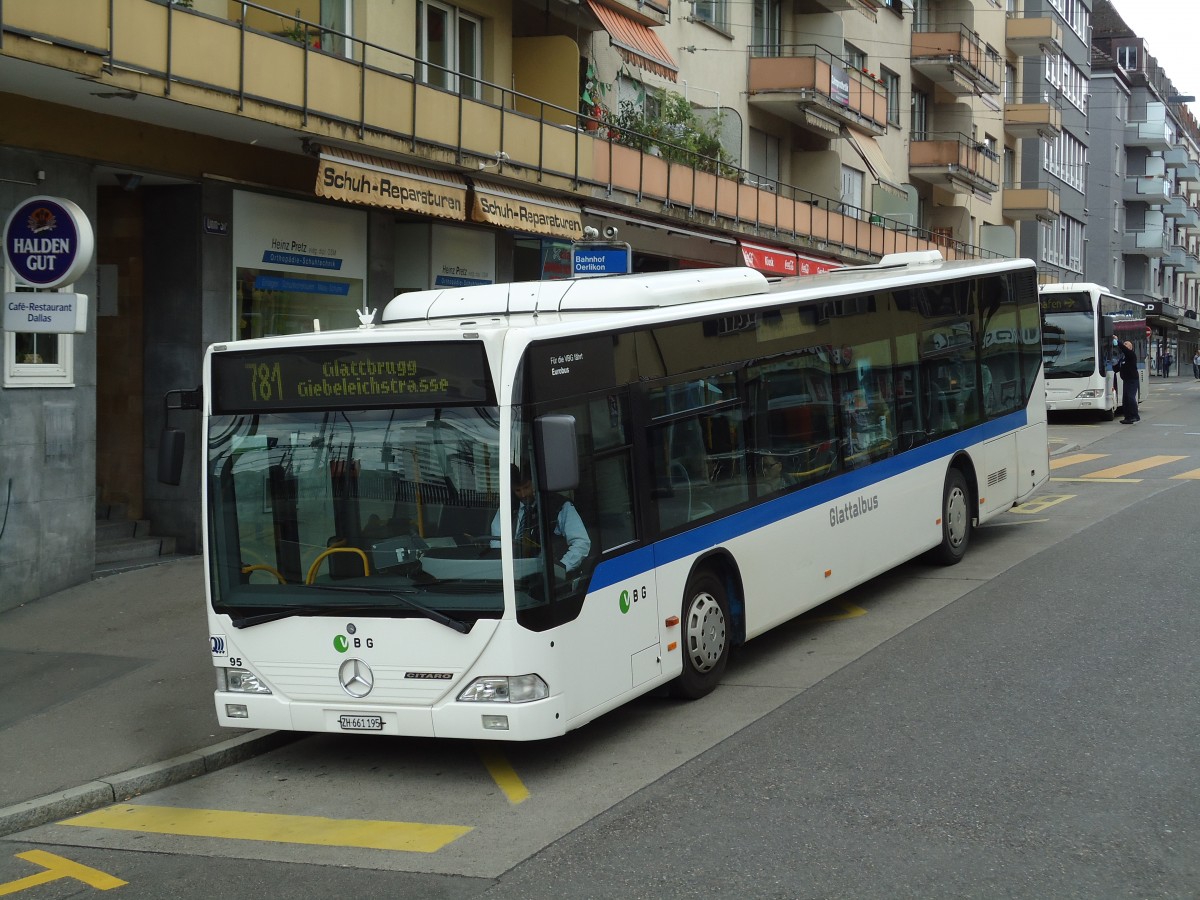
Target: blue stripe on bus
point(638, 562)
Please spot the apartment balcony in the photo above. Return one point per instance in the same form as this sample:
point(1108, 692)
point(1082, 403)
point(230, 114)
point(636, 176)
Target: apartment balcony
point(1190, 218)
point(809, 87)
point(1039, 36)
point(283, 112)
point(1188, 173)
point(954, 162)
point(1026, 203)
point(1033, 120)
point(1152, 242)
point(957, 59)
point(1175, 157)
point(1182, 260)
point(1152, 132)
point(1151, 189)
point(1175, 207)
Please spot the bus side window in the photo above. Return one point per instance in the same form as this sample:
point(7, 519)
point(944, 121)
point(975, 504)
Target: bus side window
point(866, 398)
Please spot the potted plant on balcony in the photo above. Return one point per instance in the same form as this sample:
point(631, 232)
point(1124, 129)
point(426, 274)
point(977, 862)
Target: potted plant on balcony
point(676, 133)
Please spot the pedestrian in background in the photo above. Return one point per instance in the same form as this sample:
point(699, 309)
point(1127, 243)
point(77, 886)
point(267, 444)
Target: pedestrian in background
point(1167, 360)
point(1127, 365)
point(1196, 365)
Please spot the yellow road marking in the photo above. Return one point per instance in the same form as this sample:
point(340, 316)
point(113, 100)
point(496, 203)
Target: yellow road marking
point(504, 776)
point(57, 867)
point(1074, 458)
point(247, 826)
point(1101, 480)
point(1194, 474)
point(850, 611)
point(1041, 504)
point(1138, 465)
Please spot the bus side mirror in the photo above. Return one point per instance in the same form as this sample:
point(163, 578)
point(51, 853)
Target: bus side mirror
point(170, 456)
point(171, 442)
point(557, 456)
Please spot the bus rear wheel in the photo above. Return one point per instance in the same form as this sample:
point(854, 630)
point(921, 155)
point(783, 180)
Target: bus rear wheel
point(956, 520)
point(705, 638)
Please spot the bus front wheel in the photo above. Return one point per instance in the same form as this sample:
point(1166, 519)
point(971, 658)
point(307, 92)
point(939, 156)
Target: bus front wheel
point(705, 637)
point(956, 519)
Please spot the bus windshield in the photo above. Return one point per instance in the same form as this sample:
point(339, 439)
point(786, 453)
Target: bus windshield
point(315, 511)
point(1069, 344)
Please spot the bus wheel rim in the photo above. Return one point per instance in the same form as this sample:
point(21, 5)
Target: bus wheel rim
point(705, 632)
point(956, 517)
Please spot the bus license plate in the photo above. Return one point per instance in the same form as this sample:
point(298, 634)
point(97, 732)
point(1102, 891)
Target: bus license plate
point(361, 723)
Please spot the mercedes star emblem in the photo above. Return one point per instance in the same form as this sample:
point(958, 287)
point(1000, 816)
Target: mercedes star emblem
point(356, 678)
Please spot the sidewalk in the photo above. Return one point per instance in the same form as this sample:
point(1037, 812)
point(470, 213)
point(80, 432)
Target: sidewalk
point(106, 692)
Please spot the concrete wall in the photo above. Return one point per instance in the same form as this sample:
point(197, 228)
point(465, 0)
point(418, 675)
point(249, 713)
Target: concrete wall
point(48, 435)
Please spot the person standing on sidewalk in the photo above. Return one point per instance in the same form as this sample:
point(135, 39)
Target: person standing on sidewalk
point(1127, 365)
point(1196, 365)
point(1167, 360)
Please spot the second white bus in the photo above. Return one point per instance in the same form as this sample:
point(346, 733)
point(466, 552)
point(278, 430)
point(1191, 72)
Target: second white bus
point(1080, 322)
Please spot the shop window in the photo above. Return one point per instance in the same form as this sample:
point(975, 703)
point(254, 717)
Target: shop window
point(34, 359)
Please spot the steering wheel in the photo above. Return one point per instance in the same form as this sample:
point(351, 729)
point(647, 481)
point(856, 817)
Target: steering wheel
point(312, 570)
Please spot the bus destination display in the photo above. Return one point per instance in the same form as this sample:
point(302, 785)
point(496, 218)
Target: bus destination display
point(1061, 303)
point(353, 377)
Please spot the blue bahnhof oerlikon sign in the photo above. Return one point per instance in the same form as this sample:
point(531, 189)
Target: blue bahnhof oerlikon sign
point(48, 243)
point(590, 258)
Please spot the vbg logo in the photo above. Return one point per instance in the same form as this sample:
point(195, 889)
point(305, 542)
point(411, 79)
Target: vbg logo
point(218, 644)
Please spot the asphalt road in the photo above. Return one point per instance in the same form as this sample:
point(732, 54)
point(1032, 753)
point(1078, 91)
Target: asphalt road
point(1023, 725)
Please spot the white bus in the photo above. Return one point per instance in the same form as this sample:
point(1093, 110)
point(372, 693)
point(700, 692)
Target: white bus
point(352, 483)
point(1079, 324)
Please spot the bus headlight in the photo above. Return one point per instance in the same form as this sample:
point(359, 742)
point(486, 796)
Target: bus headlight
point(240, 681)
point(505, 689)
point(1090, 394)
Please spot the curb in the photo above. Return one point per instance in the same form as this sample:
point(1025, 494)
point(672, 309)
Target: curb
point(127, 785)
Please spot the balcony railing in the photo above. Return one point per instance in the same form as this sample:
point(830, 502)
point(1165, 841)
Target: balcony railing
point(957, 59)
point(1033, 120)
point(1151, 132)
point(1151, 189)
point(386, 101)
point(1028, 202)
point(1175, 157)
point(1151, 242)
point(810, 87)
point(954, 161)
point(1037, 36)
point(1188, 173)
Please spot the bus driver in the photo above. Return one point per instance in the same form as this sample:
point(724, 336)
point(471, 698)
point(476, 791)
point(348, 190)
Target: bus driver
point(570, 541)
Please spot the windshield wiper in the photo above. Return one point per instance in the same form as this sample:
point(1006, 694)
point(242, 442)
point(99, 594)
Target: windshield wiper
point(262, 618)
point(276, 615)
point(428, 612)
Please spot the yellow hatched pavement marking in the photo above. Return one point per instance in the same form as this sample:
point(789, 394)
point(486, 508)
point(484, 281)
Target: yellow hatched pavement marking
point(246, 826)
point(1194, 474)
point(504, 776)
point(1075, 458)
point(55, 868)
point(1138, 465)
point(849, 611)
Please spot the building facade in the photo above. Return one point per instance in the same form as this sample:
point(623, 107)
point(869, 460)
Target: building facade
point(1144, 177)
point(261, 168)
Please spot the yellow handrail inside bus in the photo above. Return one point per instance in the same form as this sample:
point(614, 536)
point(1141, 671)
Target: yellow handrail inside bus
point(312, 570)
point(263, 567)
